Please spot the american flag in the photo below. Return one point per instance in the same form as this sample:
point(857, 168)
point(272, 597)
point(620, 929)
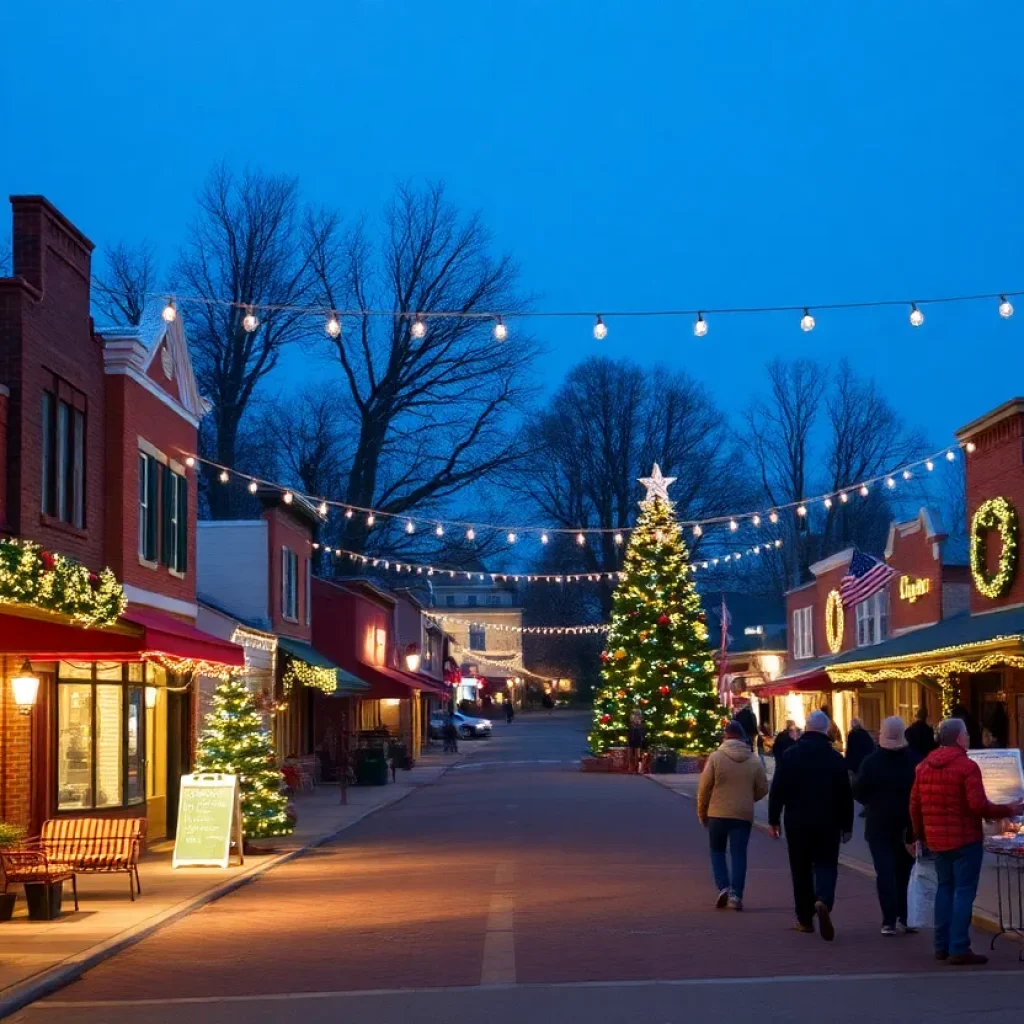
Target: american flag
point(867, 576)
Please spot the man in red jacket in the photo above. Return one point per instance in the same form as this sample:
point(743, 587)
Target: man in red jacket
point(947, 805)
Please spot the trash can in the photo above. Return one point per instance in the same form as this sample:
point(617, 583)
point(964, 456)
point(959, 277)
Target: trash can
point(400, 755)
point(371, 766)
point(664, 762)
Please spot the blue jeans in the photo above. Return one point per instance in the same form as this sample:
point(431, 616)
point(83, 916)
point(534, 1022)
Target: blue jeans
point(958, 872)
point(734, 834)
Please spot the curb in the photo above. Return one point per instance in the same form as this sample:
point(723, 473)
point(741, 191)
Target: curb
point(52, 979)
point(981, 920)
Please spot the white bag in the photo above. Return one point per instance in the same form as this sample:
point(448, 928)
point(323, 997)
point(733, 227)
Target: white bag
point(921, 894)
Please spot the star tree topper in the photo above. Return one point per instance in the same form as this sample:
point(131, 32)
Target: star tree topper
point(657, 485)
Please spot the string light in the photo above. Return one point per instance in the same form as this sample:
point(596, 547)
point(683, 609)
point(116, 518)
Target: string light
point(890, 482)
point(253, 487)
point(916, 316)
point(471, 534)
point(348, 513)
point(224, 476)
point(500, 330)
point(419, 327)
point(755, 519)
point(697, 531)
point(580, 539)
point(828, 503)
point(505, 628)
point(618, 538)
point(700, 326)
point(543, 538)
point(950, 455)
point(844, 497)
point(170, 313)
point(333, 326)
point(322, 509)
point(929, 465)
point(511, 538)
point(807, 321)
point(439, 531)
point(863, 490)
point(600, 330)
point(410, 527)
point(733, 525)
point(907, 474)
point(287, 497)
point(773, 516)
point(250, 322)
point(190, 461)
point(370, 519)
point(1005, 307)
point(801, 510)
point(971, 447)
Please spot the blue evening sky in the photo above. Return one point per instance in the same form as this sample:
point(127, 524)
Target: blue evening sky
point(630, 154)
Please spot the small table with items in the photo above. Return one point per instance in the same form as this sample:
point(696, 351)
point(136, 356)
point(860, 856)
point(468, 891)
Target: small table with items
point(1008, 850)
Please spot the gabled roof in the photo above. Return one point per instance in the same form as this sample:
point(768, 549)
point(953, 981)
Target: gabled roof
point(1014, 407)
point(926, 519)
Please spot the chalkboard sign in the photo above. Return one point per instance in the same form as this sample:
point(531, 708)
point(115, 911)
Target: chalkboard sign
point(209, 821)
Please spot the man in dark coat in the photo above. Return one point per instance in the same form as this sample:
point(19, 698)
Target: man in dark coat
point(746, 719)
point(858, 745)
point(784, 741)
point(811, 788)
point(921, 736)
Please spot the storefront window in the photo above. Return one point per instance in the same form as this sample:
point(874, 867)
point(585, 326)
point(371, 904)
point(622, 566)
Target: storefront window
point(100, 735)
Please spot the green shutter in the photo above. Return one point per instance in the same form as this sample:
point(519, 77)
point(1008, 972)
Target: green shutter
point(166, 515)
point(182, 565)
point(151, 508)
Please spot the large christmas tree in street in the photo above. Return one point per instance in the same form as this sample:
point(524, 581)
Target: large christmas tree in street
point(235, 742)
point(657, 659)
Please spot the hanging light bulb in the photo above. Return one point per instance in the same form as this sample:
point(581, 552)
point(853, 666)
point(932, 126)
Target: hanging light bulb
point(773, 516)
point(323, 508)
point(223, 476)
point(471, 534)
point(287, 497)
point(190, 461)
point(916, 316)
point(700, 326)
point(419, 327)
point(333, 326)
point(371, 519)
point(250, 322)
point(863, 490)
point(907, 474)
point(543, 538)
point(950, 455)
point(929, 465)
point(600, 330)
point(1005, 307)
point(170, 313)
point(890, 482)
point(410, 527)
point(348, 513)
point(801, 510)
point(511, 538)
point(618, 538)
point(844, 497)
point(733, 525)
point(253, 487)
point(755, 519)
point(697, 530)
point(971, 447)
point(580, 539)
point(827, 503)
point(500, 330)
point(807, 321)
point(439, 530)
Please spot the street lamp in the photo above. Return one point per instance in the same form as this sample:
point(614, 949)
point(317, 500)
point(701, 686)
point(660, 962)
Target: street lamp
point(412, 658)
point(26, 688)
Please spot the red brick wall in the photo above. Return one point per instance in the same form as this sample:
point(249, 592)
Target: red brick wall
point(996, 469)
point(913, 556)
point(15, 754)
point(286, 530)
point(133, 412)
point(4, 395)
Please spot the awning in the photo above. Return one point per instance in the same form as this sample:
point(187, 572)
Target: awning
point(389, 683)
point(806, 682)
point(165, 634)
point(139, 631)
point(346, 684)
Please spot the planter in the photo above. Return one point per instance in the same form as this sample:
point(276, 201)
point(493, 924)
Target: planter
point(44, 900)
point(664, 762)
point(691, 764)
point(7, 901)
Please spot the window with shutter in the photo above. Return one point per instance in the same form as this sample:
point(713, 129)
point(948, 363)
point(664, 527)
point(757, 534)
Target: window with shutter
point(168, 505)
point(309, 591)
point(181, 562)
point(148, 508)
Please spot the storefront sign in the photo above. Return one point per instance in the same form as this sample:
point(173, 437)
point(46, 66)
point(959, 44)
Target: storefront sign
point(209, 821)
point(1001, 773)
point(912, 590)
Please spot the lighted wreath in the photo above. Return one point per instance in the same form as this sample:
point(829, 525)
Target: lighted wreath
point(834, 621)
point(994, 514)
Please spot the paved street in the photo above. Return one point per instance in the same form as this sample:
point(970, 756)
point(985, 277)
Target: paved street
point(517, 889)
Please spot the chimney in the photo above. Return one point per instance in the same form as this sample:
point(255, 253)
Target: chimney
point(38, 224)
point(5, 397)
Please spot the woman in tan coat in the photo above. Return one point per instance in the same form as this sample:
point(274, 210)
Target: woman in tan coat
point(733, 780)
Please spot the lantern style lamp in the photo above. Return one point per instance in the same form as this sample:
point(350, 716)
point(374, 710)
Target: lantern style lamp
point(412, 658)
point(26, 688)
point(151, 692)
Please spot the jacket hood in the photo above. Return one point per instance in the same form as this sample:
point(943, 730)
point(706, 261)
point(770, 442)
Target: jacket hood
point(736, 750)
point(944, 756)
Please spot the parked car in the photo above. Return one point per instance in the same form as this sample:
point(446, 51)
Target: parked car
point(469, 727)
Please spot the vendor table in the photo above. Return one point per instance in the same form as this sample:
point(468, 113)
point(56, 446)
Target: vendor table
point(1010, 891)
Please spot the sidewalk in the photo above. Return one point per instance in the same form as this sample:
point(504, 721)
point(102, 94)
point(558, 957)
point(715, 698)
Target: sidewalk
point(37, 957)
point(855, 854)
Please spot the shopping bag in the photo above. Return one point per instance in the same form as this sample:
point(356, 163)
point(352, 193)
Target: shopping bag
point(921, 894)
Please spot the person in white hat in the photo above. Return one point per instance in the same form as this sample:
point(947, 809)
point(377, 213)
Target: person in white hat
point(883, 786)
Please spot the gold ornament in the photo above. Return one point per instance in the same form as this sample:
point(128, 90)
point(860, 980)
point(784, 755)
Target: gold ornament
point(620, 654)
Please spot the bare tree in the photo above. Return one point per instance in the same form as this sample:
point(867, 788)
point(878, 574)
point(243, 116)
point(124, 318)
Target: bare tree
point(6, 258)
point(432, 409)
point(120, 293)
point(604, 428)
point(250, 244)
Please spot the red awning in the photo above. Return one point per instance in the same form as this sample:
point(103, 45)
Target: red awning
point(433, 687)
point(167, 635)
point(388, 683)
point(810, 682)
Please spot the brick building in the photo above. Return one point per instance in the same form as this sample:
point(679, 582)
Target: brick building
point(93, 431)
point(946, 632)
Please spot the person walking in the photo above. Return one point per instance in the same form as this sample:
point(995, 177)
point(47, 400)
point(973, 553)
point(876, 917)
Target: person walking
point(920, 735)
point(812, 790)
point(451, 736)
point(947, 806)
point(784, 740)
point(746, 719)
point(883, 786)
point(859, 745)
point(733, 781)
point(510, 712)
point(635, 738)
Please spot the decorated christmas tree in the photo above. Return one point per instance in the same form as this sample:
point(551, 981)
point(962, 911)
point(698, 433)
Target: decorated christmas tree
point(235, 742)
point(657, 659)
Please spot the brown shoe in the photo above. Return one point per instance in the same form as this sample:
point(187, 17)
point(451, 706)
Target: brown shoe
point(968, 959)
point(806, 928)
point(825, 927)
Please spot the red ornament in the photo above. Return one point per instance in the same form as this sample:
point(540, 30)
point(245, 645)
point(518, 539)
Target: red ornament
point(644, 701)
point(604, 655)
point(663, 620)
point(605, 719)
point(47, 559)
point(663, 690)
point(94, 580)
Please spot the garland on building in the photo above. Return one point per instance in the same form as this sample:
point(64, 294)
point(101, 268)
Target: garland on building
point(298, 671)
point(657, 662)
point(994, 514)
point(234, 742)
point(835, 621)
point(42, 579)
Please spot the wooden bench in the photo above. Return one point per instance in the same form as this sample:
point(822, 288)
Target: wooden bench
point(87, 846)
point(32, 867)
